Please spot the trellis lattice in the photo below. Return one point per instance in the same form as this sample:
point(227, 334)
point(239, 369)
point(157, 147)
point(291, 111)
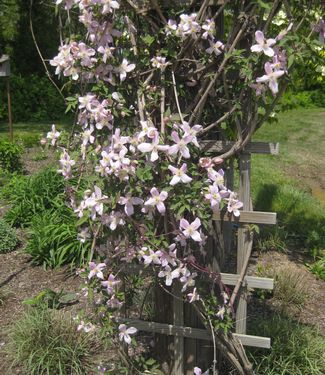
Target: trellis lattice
point(185, 351)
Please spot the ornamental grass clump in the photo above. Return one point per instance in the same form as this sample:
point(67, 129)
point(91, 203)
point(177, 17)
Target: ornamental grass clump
point(46, 342)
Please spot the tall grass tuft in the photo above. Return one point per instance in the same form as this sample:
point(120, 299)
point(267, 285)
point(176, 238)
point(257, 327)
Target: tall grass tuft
point(46, 342)
point(296, 349)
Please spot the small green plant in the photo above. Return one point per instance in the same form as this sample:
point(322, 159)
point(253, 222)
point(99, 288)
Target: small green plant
point(53, 238)
point(10, 156)
point(296, 349)
point(318, 268)
point(8, 238)
point(52, 299)
point(29, 196)
point(46, 342)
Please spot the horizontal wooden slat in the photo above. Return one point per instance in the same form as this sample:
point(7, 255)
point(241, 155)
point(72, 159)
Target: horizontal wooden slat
point(248, 217)
point(253, 147)
point(227, 278)
point(249, 281)
point(189, 332)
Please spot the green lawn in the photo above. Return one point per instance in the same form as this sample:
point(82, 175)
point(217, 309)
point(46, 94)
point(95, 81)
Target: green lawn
point(292, 183)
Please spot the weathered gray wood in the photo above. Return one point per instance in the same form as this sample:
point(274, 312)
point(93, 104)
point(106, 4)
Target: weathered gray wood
point(244, 241)
point(196, 333)
point(218, 147)
point(178, 320)
point(248, 217)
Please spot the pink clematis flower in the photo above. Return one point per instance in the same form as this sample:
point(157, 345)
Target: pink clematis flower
point(169, 275)
point(271, 76)
point(153, 257)
point(110, 284)
point(157, 200)
point(128, 201)
point(53, 135)
point(215, 47)
point(153, 147)
point(124, 68)
point(194, 296)
point(234, 204)
point(180, 145)
point(190, 230)
point(191, 132)
point(264, 45)
point(198, 371)
point(125, 333)
point(179, 175)
point(96, 270)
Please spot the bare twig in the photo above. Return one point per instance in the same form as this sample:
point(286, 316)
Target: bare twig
point(176, 97)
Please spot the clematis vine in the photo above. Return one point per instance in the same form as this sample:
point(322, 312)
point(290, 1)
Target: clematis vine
point(263, 45)
point(271, 77)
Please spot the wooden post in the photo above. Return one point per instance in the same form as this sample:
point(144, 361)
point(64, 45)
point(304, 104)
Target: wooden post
point(11, 133)
point(178, 320)
point(244, 240)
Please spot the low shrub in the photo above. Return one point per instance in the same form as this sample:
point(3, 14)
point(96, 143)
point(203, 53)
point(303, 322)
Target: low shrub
point(43, 100)
point(296, 349)
point(53, 239)
point(10, 156)
point(8, 238)
point(305, 99)
point(29, 196)
point(45, 342)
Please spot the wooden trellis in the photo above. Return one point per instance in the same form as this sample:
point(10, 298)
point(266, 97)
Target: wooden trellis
point(185, 351)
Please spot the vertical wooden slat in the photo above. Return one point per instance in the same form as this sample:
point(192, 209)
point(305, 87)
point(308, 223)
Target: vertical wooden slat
point(178, 320)
point(243, 237)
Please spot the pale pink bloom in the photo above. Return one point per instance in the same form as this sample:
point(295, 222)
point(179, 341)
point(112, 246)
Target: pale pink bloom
point(198, 371)
point(109, 6)
point(225, 297)
point(124, 68)
point(53, 135)
point(194, 296)
point(96, 270)
point(106, 52)
point(214, 196)
point(85, 55)
point(258, 87)
point(87, 101)
point(188, 25)
point(169, 275)
point(215, 47)
point(157, 200)
point(87, 136)
point(147, 130)
point(191, 132)
point(187, 279)
point(83, 235)
point(170, 257)
point(110, 284)
point(128, 201)
point(66, 164)
point(125, 333)
point(159, 62)
point(114, 303)
point(153, 257)
point(210, 27)
point(271, 76)
point(170, 27)
point(320, 28)
point(234, 205)
point(114, 219)
point(119, 141)
point(43, 141)
point(95, 202)
point(190, 230)
point(179, 175)
point(220, 314)
point(180, 145)
point(153, 147)
point(263, 44)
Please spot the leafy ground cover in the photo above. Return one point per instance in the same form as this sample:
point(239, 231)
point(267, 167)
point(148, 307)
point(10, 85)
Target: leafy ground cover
point(296, 180)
